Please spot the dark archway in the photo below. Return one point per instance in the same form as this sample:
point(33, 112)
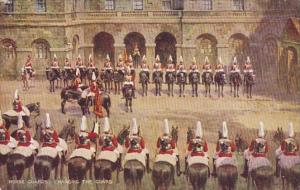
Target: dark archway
point(132, 39)
point(206, 45)
point(103, 45)
point(269, 61)
point(239, 47)
point(165, 46)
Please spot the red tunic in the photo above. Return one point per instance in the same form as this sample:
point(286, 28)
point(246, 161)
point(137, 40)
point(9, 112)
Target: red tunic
point(52, 144)
point(197, 153)
point(18, 107)
point(28, 64)
point(90, 136)
point(109, 148)
point(257, 154)
point(172, 145)
point(7, 136)
point(93, 88)
point(223, 154)
point(131, 150)
point(287, 153)
point(27, 137)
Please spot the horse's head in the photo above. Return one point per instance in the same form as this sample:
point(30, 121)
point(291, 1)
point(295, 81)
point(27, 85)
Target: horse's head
point(190, 135)
point(174, 133)
point(123, 134)
point(279, 135)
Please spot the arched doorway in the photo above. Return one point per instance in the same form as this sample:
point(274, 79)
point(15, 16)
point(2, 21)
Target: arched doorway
point(75, 47)
point(103, 45)
point(165, 46)
point(288, 69)
point(239, 48)
point(41, 52)
point(206, 45)
point(132, 40)
point(269, 61)
point(8, 56)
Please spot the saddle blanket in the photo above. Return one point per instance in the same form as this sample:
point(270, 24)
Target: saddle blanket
point(108, 155)
point(4, 149)
point(257, 162)
point(135, 156)
point(197, 159)
point(23, 150)
point(48, 151)
point(287, 162)
point(82, 152)
point(166, 158)
point(221, 161)
point(62, 145)
point(13, 113)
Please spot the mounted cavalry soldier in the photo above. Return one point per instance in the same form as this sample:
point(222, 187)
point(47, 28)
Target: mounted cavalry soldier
point(157, 64)
point(28, 66)
point(109, 145)
point(157, 76)
point(170, 65)
point(7, 143)
point(181, 77)
point(24, 141)
point(107, 64)
point(121, 65)
point(206, 65)
point(194, 77)
point(77, 81)
point(78, 62)
point(224, 151)
point(255, 155)
point(128, 84)
point(135, 146)
point(167, 148)
point(136, 56)
point(18, 107)
point(55, 66)
point(68, 65)
point(144, 67)
point(83, 140)
point(197, 149)
point(234, 68)
point(287, 155)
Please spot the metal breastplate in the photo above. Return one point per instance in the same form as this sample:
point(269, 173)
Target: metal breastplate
point(260, 146)
point(135, 143)
point(48, 137)
point(83, 139)
point(107, 140)
point(198, 145)
point(2, 135)
point(165, 143)
point(290, 145)
point(21, 136)
point(225, 146)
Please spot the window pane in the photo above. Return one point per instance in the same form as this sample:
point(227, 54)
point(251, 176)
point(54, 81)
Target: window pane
point(41, 5)
point(166, 5)
point(238, 5)
point(109, 5)
point(138, 4)
point(205, 5)
point(9, 6)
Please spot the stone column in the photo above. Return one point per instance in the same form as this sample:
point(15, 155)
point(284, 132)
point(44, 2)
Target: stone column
point(150, 53)
point(188, 52)
point(178, 52)
point(85, 50)
point(223, 52)
point(119, 49)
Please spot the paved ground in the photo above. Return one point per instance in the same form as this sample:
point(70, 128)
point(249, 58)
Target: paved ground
point(269, 105)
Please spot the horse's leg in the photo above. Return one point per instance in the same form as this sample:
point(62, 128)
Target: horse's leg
point(143, 89)
point(193, 90)
point(63, 106)
point(172, 88)
point(183, 88)
point(196, 89)
point(222, 88)
point(237, 90)
point(130, 104)
point(169, 89)
point(115, 87)
point(250, 91)
point(126, 104)
point(146, 88)
point(209, 90)
point(159, 88)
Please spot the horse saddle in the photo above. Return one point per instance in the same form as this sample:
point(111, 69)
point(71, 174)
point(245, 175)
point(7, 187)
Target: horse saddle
point(135, 156)
point(83, 153)
point(25, 112)
point(74, 94)
point(197, 159)
point(108, 155)
point(23, 150)
point(221, 161)
point(4, 149)
point(257, 162)
point(48, 151)
point(166, 158)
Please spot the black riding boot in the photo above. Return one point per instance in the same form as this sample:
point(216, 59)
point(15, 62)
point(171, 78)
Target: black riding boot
point(178, 166)
point(277, 168)
point(246, 169)
point(214, 173)
point(147, 163)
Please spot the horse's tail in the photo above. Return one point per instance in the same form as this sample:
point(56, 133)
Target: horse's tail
point(227, 176)
point(162, 174)
point(133, 173)
point(42, 168)
point(103, 170)
point(16, 165)
point(263, 177)
point(295, 176)
point(106, 103)
point(198, 174)
point(77, 168)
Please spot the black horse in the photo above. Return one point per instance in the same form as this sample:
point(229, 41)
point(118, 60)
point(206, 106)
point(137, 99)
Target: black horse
point(157, 78)
point(249, 82)
point(170, 80)
point(67, 76)
point(33, 108)
point(107, 77)
point(236, 81)
point(220, 82)
point(53, 75)
point(90, 72)
point(181, 81)
point(207, 80)
point(83, 73)
point(144, 80)
point(194, 80)
point(118, 77)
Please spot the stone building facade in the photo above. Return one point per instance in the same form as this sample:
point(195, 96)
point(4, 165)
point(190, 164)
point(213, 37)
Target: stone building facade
point(213, 28)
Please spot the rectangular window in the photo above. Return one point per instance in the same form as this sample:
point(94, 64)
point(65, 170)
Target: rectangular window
point(238, 5)
point(9, 6)
point(167, 5)
point(41, 6)
point(137, 4)
point(205, 5)
point(109, 5)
